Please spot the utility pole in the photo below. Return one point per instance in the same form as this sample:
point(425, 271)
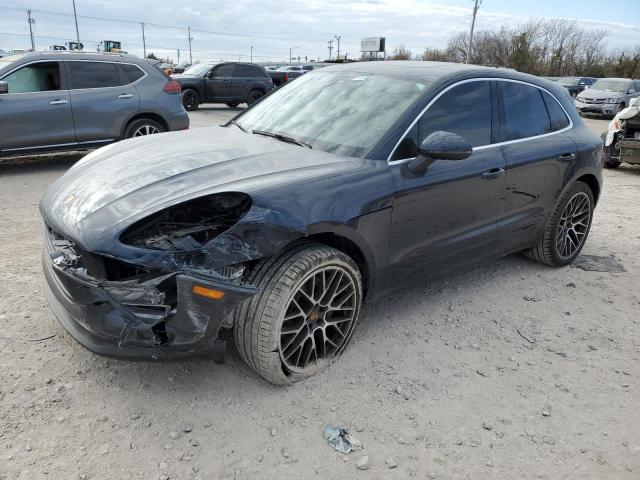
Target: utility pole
point(473, 24)
point(178, 62)
point(251, 57)
point(330, 47)
point(190, 38)
point(144, 41)
point(338, 37)
point(31, 21)
point(75, 17)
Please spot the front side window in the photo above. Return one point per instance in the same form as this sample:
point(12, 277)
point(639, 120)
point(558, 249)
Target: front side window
point(37, 77)
point(346, 113)
point(93, 75)
point(223, 71)
point(464, 110)
point(525, 114)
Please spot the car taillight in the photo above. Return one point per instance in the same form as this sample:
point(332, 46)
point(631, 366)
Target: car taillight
point(286, 77)
point(172, 86)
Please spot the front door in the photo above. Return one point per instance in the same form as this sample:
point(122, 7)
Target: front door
point(36, 113)
point(446, 217)
point(218, 83)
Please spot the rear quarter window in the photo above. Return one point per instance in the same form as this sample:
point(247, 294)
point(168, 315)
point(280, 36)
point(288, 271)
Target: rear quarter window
point(557, 116)
point(131, 73)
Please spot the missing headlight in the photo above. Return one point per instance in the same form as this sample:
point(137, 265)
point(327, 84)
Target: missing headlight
point(189, 225)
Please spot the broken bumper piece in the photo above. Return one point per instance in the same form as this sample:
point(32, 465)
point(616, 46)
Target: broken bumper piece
point(152, 317)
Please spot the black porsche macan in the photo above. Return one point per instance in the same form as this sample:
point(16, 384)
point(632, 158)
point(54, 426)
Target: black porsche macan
point(346, 185)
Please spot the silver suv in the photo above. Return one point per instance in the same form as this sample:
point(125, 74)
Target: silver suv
point(69, 100)
point(607, 96)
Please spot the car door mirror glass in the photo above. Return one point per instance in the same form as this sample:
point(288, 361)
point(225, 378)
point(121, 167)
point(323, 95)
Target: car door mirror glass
point(4, 87)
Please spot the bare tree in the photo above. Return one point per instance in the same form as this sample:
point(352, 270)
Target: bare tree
point(400, 53)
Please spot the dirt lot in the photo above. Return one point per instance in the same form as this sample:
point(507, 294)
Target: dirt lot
point(508, 370)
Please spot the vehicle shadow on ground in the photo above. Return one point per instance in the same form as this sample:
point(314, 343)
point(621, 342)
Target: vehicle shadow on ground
point(216, 107)
point(202, 376)
point(39, 163)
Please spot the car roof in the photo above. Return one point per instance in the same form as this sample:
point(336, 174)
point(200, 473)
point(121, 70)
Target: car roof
point(433, 71)
point(75, 55)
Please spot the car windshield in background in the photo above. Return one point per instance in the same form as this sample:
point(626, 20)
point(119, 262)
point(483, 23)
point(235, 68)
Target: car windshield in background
point(335, 112)
point(198, 70)
point(611, 86)
point(568, 81)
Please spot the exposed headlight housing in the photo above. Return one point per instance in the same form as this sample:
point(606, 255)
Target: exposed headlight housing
point(189, 225)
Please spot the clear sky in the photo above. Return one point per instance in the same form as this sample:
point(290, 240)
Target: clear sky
point(226, 29)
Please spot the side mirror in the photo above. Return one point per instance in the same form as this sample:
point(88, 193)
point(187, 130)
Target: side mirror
point(440, 146)
point(4, 87)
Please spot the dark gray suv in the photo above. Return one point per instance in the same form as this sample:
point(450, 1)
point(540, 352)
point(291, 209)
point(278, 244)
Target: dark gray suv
point(69, 100)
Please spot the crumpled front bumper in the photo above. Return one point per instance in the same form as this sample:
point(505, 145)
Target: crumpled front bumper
point(154, 318)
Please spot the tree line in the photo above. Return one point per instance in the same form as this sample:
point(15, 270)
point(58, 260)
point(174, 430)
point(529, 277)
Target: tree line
point(554, 47)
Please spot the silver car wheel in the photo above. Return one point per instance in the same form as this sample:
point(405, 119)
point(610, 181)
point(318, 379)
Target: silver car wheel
point(145, 130)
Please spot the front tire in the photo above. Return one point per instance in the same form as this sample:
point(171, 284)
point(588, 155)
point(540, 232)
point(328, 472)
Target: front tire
point(304, 316)
point(567, 229)
point(190, 100)
point(143, 127)
point(232, 104)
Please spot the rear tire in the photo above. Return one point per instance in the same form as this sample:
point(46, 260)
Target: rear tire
point(143, 127)
point(317, 332)
point(254, 96)
point(190, 99)
point(567, 229)
point(232, 104)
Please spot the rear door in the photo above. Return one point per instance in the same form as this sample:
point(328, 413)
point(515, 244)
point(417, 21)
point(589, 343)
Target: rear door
point(242, 81)
point(539, 159)
point(218, 82)
point(102, 99)
point(36, 113)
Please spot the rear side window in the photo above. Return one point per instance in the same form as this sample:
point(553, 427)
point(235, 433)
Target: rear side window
point(242, 71)
point(525, 114)
point(257, 71)
point(131, 73)
point(559, 119)
point(37, 77)
point(93, 75)
point(465, 110)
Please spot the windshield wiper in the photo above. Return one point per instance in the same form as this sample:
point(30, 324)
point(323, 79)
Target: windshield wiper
point(282, 138)
point(233, 122)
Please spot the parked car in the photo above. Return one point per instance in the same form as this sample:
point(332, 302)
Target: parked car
point(350, 184)
point(167, 68)
point(607, 96)
point(622, 139)
point(71, 100)
point(575, 85)
point(181, 67)
point(283, 74)
point(229, 83)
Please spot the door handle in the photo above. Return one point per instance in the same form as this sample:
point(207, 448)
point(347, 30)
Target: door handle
point(126, 95)
point(566, 157)
point(58, 102)
point(493, 173)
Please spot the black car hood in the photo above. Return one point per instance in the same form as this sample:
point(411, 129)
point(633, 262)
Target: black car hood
point(117, 185)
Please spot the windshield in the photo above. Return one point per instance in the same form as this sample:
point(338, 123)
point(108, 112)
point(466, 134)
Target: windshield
point(568, 81)
point(198, 70)
point(618, 86)
point(337, 112)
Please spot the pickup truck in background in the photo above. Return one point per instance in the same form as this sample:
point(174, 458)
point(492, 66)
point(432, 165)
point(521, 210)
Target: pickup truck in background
point(282, 75)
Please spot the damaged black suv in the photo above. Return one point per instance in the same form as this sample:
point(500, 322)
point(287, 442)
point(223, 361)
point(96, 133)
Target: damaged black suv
point(347, 185)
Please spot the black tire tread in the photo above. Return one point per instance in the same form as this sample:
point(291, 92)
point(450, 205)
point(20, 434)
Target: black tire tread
point(256, 320)
point(543, 251)
point(135, 124)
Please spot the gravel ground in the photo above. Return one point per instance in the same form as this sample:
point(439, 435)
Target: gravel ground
point(507, 370)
